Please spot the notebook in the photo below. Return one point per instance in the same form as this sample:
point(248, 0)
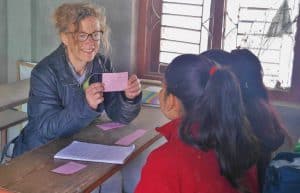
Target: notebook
point(95, 152)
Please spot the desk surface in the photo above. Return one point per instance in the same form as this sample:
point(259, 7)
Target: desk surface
point(30, 173)
point(13, 94)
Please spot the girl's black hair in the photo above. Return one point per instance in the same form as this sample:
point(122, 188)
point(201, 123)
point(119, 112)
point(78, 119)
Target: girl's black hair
point(214, 114)
point(218, 56)
point(263, 118)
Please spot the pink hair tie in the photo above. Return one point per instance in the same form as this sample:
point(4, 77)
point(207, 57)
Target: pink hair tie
point(213, 70)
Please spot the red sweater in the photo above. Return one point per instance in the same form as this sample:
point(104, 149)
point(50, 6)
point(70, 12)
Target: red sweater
point(179, 168)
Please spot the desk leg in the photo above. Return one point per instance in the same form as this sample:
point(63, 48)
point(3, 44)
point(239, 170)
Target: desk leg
point(3, 138)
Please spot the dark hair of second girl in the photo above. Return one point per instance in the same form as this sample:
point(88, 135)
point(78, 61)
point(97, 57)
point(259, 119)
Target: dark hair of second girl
point(247, 67)
point(215, 102)
point(263, 118)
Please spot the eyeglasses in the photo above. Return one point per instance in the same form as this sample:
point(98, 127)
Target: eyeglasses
point(82, 36)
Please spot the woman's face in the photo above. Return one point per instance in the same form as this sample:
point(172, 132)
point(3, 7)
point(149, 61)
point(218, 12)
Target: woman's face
point(81, 52)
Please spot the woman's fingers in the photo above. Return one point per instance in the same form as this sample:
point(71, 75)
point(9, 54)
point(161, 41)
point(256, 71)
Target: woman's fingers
point(94, 95)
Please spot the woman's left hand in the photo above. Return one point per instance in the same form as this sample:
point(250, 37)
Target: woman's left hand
point(133, 88)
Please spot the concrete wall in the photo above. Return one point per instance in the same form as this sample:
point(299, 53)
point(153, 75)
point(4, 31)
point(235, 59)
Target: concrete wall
point(290, 115)
point(3, 41)
point(122, 18)
point(27, 32)
point(19, 29)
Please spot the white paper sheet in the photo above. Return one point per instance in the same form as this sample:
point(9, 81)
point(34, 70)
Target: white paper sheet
point(95, 152)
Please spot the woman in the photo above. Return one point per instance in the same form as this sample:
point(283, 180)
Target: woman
point(263, 118)
point(209, 147)
point(58, 105)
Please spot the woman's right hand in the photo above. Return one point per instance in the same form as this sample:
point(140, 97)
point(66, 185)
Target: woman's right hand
point(94, 94)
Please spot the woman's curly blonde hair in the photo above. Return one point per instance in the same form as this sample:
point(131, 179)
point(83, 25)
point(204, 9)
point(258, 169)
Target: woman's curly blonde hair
point(72, 13)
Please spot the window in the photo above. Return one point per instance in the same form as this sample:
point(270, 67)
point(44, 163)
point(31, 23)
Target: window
point(184, 28)
point(268, 28)
point(168, 28)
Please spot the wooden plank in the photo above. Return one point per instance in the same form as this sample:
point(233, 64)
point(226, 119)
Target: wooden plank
point(255, 4)
point(13, 94)
point(256, 42)
point(261, 15)
point(30, 173)
point(182, 9)
point(286, 104)
point(23, 64)
point(150, 82)
point(11, 117)
point(4, 191)
point(3, 138)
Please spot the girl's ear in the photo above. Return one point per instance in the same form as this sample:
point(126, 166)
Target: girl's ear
point(64, 38)
point(178, 107)
point(170, 102)
point(173, 105)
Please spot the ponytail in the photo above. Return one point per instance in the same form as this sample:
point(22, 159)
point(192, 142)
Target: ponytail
point(223, 126)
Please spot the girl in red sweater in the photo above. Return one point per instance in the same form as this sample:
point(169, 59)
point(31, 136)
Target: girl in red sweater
point(210, 147)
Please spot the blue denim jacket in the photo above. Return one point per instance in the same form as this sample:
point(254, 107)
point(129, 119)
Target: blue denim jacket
point(57, 105)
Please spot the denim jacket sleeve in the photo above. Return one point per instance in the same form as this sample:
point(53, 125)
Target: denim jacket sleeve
point(47, 113)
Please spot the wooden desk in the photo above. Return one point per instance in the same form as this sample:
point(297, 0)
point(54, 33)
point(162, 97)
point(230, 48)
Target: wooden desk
point(30, 173)
point(13, 94)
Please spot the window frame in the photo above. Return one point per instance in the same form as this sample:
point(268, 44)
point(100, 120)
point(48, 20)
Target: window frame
point(148, 45)
point(148, 42)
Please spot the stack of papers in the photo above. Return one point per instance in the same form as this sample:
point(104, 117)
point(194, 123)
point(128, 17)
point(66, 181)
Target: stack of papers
point(151, 96)
point(95, 152)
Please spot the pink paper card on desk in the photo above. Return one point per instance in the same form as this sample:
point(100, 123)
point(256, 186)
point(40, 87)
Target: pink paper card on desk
point(69, 168)
point(110, 125)
point(129, 139)
point(115, 81)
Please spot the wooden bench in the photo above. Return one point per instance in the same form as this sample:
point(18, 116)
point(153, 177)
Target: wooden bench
point(13, 94)
point(24, 69)
point(147, 82)
point(9, 118)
